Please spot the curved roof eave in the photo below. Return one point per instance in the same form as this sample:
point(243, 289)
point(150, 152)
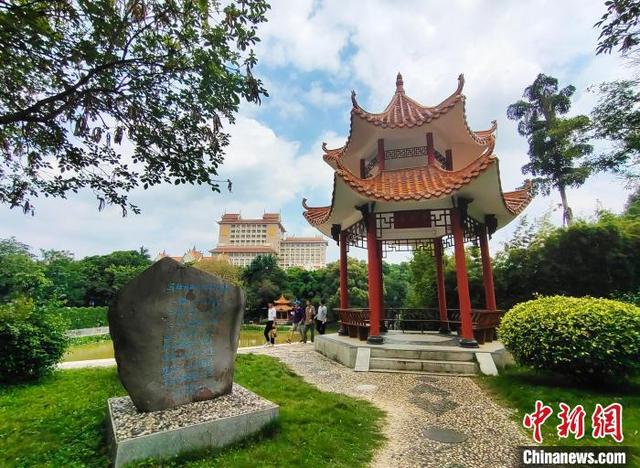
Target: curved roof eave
point(472, 182)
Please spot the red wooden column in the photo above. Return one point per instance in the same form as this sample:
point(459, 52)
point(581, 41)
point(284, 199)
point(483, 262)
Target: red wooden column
point(344, 290)
point(431, 152)
point(374, 272)
point(463, 282)
point(380, 154)
point(442, 298)
point(487, 270)
point(381, 289)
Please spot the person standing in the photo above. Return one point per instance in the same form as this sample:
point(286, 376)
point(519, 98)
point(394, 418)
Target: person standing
point(297, 315)
point(309, 313)
point(271, 318)
point(321, 318)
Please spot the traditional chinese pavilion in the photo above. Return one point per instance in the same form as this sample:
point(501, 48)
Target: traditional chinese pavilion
point(283, 307)
point(417, 177)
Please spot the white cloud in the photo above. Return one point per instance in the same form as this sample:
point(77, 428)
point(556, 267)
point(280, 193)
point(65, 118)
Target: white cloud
point(323, 49)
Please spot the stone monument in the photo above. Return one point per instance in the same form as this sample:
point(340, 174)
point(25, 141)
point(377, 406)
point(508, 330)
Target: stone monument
point(175, 332)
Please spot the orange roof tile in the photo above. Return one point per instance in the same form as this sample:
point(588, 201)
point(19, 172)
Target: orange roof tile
point(416, 183)
point(403, 111)
point(316, 215)
point(518, 200)
point(282, 300)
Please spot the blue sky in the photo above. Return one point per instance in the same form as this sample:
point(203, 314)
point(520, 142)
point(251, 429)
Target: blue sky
point(312, 54)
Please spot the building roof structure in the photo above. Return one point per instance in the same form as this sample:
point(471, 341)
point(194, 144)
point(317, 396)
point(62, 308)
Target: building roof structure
point(267, 218)
point(386, 165)
point(222, 249)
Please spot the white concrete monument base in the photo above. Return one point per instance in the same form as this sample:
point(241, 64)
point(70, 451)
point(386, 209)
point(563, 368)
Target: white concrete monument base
point(163, 434)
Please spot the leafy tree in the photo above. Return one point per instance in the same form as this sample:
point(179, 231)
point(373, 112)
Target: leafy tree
point(396, 284)
point(557, 146)
point(616, 118)
point(264, 281)
point(105, 274)
point(422, 291)
point(80, 76)
point(620, 27)
point(65, 274)
point(220, 267)
point(302, 284)
point(598, 259)
point(20, 273)
point(632, 207)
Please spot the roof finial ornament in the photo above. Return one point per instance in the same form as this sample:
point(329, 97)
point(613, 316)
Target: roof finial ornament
point(324, 146)
point(399, 83)
point(304, 204)
point(353, 99)
point(460, 83)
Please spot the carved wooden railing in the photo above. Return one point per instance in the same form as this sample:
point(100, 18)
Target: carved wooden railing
point(483, 322)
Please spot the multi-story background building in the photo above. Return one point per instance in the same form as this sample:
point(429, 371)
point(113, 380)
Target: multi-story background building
point(241, 240)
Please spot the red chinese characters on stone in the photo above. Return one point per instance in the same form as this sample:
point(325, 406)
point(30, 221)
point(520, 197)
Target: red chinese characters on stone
point(607, 421)
point(571, 421)
point(536, 419)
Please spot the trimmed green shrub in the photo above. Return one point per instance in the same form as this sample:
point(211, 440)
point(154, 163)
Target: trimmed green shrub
point(632, 297)
point(84, 317)
point(32, 340)
point(580, 336)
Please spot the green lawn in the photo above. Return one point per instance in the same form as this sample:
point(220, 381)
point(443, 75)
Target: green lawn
point(519, 388)
point(60, 421)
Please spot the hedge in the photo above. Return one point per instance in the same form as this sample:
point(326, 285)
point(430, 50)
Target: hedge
point(579, 336)
point(32, 340)
point(84, 317)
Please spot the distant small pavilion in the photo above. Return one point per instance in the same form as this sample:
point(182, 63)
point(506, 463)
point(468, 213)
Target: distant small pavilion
point(417, 177)
point(283, 307)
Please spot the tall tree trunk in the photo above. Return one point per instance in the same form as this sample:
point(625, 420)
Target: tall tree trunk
point(567, 214)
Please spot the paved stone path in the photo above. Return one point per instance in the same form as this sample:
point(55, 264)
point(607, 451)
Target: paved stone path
point(418, 406)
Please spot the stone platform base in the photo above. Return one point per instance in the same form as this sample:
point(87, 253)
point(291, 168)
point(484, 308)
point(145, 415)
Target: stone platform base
point(428, 352)
point(205, 424)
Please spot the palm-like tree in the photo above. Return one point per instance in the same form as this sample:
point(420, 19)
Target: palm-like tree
point(556, 145)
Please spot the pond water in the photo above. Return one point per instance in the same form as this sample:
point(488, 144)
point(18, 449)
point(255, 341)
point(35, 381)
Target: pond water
point(104, 349)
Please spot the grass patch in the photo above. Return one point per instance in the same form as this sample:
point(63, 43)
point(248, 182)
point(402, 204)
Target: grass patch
point(519, 388)
point(85, 340)
point(59, 421)
point(84, 317)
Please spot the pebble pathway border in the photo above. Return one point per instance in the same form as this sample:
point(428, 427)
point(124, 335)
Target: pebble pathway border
point(414, 403)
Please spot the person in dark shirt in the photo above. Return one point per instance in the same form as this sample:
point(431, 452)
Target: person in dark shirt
point(296, 322)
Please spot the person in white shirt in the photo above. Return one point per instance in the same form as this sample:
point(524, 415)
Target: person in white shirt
point(321, 318)
point(271, 318)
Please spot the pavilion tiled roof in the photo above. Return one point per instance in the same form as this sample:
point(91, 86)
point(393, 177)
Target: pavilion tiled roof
point(316, 215)
point(421, 183)
point(282, 300)
point(416, 183)
point(403, 111)
point(518, 200)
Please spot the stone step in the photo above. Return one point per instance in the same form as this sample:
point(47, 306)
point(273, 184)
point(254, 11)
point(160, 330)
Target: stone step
point(436, 374)
point(423, 365)
point(426, 355)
